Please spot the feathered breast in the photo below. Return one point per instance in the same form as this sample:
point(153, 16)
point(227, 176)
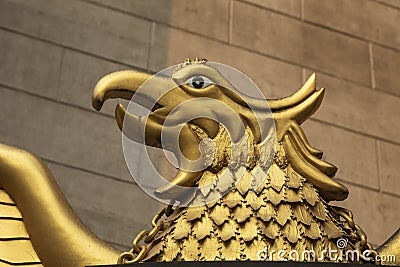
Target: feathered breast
point(239, 212)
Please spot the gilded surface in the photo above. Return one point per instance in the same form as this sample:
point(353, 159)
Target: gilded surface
point(278, 201)
point(288, 211)
point(37, 225)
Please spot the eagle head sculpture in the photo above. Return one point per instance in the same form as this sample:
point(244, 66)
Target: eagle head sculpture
point(264, 186)
point(249, 184)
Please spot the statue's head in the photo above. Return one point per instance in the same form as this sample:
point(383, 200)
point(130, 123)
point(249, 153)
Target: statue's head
point(196, 103)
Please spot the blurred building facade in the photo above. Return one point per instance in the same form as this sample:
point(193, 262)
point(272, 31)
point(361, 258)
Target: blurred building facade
point(53, 52)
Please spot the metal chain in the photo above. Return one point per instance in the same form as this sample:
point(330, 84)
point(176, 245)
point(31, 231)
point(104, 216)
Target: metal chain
point(356, 233)
point(138, 251)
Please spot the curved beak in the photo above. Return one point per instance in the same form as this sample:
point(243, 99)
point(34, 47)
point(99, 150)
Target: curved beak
point(148, 91)
point(125, 84)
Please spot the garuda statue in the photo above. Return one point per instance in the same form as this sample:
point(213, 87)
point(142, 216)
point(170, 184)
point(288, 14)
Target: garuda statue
point(259, 197)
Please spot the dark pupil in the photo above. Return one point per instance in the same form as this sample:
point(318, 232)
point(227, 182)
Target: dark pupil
point(198, 82)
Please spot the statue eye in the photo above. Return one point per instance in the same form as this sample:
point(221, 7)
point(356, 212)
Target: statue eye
point(198, 82)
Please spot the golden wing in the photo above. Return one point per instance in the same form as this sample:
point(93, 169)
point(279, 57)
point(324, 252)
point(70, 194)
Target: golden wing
point(15, 244)
point(37, 225)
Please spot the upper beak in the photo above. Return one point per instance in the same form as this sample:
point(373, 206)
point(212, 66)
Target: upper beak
point(146, 89)
point(124, 84)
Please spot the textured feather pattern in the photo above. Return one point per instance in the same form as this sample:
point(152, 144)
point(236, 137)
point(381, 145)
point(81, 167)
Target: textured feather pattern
point(286, 213)
point(15, 245)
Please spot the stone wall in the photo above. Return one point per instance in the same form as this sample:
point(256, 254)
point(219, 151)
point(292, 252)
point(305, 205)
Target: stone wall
point(53, 52)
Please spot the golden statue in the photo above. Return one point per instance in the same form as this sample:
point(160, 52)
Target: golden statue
point(272, 202)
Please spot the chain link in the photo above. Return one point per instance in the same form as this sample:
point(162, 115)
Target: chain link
point(356, 234)
point(138, 252)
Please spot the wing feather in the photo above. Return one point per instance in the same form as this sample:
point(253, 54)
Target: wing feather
point(10, 212)
point(11, 229)
point(5, 198)
point(15, 244)
point(18, 252)
point(4, 264)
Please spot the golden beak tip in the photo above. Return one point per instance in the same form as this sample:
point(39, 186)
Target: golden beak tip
point(97, 104)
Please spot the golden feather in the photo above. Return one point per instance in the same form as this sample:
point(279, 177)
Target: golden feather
point(190, 250)
point(312, 231)
point(172, 249)
point(309, 193)
point(277, 177)
point(252, 250)
point(266, 212)
point(319, 210)
point(212, 249)
point(295, 180)
point(249, 231)
point(182, 229)
point(283, 214)
point(195, 212)
point(253, 200)
point(293, 195)
point(270, 229)
point(302, 214)
point(5, 198)
point(242, 213)
point(233, 198)
point(243, 185)
point(274, 197)
point(231, 250)
point(291, 232)
point(203, 228)
point(207, 182)
point(228, 230)
point(332, 230)
point(219, 214)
